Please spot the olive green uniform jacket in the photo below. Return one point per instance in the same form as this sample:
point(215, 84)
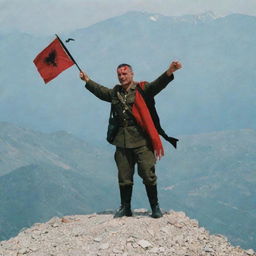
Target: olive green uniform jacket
point(129, 135)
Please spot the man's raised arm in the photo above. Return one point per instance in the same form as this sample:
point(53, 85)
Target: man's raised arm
point(98, 90)
point(174, 66)
point(161, 82)
point(84, 76)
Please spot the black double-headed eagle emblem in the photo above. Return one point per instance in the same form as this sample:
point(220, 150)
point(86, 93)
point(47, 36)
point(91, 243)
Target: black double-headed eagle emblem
point(51, 58)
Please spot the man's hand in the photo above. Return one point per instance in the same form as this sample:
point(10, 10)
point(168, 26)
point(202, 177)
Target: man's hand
point(84, 76)
point(175, 65)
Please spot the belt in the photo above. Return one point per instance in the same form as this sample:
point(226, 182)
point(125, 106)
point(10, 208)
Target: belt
point(126, 123)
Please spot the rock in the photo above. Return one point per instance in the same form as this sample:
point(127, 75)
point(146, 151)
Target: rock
point(250, 252)
point(202, 237)
point(165, 230)
point(55, 225)
point(117, 251)
point(208, 249)
point(33, 248)
point(179, 225)
point(153, 250)
point(144, 244)
point(151, 232)
point(180, 252)
point(130, 239)
point(97, 239)
point(23, 251)
point(92, 215)
point(141, 210)
point(194, 223)
point(104, 246)
point(161, 249)
point(134, 245)
point(52, 220)
point(65, 220)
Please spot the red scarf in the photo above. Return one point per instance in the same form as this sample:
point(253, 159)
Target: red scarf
point(144, 119)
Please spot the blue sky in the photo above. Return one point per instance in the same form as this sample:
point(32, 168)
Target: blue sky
point(54, 16)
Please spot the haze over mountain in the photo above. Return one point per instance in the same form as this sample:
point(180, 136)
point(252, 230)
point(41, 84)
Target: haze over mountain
point(214, 91)
point(210, 176)
point(46, 17)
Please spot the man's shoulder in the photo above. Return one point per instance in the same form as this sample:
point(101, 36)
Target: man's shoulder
point(116, 86)
point(115, 89)
point(143, 84)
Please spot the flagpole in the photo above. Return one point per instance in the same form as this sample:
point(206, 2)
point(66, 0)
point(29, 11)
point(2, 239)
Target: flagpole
point(71, 57)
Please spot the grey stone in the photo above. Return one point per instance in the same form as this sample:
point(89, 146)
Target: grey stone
point(250, 252)
point(104, 246)
point(144, 244)
point(55, 225)
point(141, 210)
point(208, 249)
point(117, 251)
point(97, 239)
point(23, 251)
point(153, 250)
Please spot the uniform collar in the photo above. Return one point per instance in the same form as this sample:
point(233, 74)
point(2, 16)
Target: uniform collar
point(133, 87)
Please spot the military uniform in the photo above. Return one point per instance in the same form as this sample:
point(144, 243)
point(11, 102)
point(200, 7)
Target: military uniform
point(132, 143)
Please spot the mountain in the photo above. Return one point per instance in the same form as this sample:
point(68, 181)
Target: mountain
point(22, 147)
point(100, 234)
point(43, 175)
point(214, 90)
point(35, 193)
point(210, 176)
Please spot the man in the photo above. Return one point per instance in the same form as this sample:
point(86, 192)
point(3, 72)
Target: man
point(136, 141)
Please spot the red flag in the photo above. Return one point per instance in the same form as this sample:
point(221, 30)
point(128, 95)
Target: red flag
point(52, 61)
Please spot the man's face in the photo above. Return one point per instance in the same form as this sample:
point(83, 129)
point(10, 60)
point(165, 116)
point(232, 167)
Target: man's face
point(125, 76)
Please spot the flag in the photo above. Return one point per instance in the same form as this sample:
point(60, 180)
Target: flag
point(52, 61)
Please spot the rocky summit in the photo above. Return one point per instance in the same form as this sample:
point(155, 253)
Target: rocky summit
point(101, 235)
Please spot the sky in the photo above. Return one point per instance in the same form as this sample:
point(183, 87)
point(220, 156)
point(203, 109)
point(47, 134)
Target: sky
point(44, 17)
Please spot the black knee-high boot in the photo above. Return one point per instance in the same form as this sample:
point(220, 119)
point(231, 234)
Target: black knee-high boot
point(153, 200)
point(125, 209)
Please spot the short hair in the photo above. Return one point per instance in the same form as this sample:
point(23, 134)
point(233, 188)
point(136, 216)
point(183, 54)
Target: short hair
point(124, 65)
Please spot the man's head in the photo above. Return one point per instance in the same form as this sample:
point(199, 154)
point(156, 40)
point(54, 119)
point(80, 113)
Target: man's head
point(125, 75)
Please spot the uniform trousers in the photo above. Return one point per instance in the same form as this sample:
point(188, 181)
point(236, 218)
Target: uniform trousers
point(126, 158)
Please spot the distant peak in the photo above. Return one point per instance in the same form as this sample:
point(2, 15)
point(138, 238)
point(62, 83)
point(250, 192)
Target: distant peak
point(154, 17)
point(197, 18)
point(208, 14)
